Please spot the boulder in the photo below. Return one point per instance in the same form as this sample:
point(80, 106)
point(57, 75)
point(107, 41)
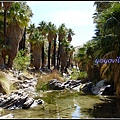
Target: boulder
point(103, 88)
point(86, 87)
point(71, 84)
point(54, 84)
point(17, 100)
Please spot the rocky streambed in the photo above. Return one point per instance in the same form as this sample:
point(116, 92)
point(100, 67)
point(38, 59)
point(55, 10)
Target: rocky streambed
point(23, 97)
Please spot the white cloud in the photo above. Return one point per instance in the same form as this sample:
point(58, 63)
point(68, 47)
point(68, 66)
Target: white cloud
point(71, 17)
point(75, 15)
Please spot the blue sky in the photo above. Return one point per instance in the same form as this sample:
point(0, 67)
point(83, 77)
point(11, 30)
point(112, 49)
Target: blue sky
point(76, 15)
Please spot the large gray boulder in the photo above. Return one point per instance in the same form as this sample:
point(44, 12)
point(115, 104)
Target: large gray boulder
point(103, 88)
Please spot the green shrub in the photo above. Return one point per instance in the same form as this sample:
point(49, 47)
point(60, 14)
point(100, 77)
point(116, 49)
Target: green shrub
point(78, 74)
point(21, 61)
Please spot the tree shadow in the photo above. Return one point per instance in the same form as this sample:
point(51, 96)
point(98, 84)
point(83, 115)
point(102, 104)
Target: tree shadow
point(107, 109)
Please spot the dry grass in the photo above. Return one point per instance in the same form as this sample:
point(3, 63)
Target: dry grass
point(44, 79)
point(4, 84)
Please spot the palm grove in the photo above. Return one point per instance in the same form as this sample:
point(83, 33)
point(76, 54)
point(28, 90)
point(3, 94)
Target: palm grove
point(15, 19)
point(50, 45)
point(104, 45)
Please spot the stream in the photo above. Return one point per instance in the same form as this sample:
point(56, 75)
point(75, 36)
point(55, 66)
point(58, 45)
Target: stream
point(70, 104)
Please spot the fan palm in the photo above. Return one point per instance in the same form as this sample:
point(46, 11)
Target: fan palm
point(70, 34)
point(30, 32)
point(18, 18)
point(108, 22)
point(62, 31)
point(36, 40)
point(51, 35)
point(43, 29)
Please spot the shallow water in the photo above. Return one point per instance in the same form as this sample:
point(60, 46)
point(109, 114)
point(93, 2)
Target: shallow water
point(70, 104)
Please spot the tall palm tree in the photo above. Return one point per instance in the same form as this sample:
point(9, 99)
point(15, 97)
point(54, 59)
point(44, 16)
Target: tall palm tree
point(30, 32)
point(36, 40)
point(65, 50)
point(108, 23)
point(19, 17)
point(51, 35)
point(6, 7)
point(69, 37)
point(54, 51)
point(22, 42)
point(72, 49)
point(62, 31)
point(43, 29)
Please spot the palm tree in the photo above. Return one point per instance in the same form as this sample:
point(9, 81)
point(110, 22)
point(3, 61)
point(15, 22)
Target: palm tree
point(65, 50)
point(108, 24)
point(6, 7)
point(62, 31)
point(54, 51)
point(30, 32)
point(70, 34)
point(51, 35)
point(19, 17)
point(69, 37)
point(22, 42)
point(43, 29)
point(72, 50)
point(36, 40)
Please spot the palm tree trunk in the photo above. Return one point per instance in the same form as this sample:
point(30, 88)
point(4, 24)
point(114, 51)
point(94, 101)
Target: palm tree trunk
point(58, 56)
point(14, 36)
point(54, 54)
point(4, 42)
point(43, 60)
point(49, 50)
point(37, 56)
point(31, 56)
point(22, 42)
point(5, 16)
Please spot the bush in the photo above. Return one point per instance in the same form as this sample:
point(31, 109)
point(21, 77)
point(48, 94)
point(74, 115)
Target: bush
point(43, 80)
point(21, 61)
point(76, 75)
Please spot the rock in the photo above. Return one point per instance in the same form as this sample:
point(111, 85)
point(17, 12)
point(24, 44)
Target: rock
point(7, 116)
point(37, 102)
point(45, 70)
point(109, 90)
point(86, 87)
point(103, 88)
point(28, 103)
point(13, 100)
point(2, 90)
point(71, 84)
point(18, 99)
point(54, 84)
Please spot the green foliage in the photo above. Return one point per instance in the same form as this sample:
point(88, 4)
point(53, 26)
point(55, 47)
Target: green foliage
point(43, 86)
point(21, 12)
point(78, 74)
point(21, 61)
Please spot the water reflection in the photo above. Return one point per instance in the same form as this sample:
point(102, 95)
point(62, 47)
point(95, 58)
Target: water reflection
point(66, 104)
point(76, 113)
